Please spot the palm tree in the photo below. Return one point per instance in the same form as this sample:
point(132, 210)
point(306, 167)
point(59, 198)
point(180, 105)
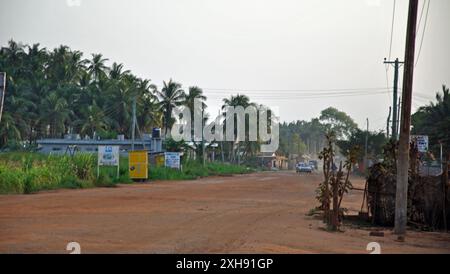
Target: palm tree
point(122, 89)
point(54, 114)
point(13, 54)
point(434, 120)
point(94, 120)
point(235, 101)
point(148, 111)
point(171, 96)
point(96, 67)
point(52, 91)
point(194, 93)
point(116, 72)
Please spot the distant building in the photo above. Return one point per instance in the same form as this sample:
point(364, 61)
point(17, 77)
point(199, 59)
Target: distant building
point(273, 161)
point(72, 143)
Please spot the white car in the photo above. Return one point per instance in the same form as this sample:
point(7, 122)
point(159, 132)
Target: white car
point(304, 168)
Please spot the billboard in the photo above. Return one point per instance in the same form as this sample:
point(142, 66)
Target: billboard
point(421, 141)
point(172, 159)
point(108, 155)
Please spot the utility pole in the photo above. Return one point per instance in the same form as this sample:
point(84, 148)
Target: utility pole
point(441, 157)
point(401, 197)
point(221, 143)
point(133, 127)
point(203, 136)
point(2, 92)
point(399, 107)
point(366, 160)
point(388, 121)
point(396, 64)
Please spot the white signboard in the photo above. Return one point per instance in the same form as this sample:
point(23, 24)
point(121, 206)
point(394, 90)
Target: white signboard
point(421, 141)
point(172, 159)
point(108, 155)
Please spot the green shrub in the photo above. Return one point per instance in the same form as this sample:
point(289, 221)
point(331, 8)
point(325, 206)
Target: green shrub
point(84, 165)
point(11, 181)
point(104, 181)
point(193, 170)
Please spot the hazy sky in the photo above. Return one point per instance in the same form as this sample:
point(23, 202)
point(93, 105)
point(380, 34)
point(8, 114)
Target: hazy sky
point(277, 51)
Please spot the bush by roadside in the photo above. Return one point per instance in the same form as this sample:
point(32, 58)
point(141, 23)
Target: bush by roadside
point(25, 173)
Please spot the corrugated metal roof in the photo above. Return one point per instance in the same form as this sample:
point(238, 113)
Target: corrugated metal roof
point(90, 142)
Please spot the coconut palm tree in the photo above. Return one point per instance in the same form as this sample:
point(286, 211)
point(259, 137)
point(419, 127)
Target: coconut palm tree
point(434, 120)
point(54, 114)
point(235, 101)
point(171, 96)
point(96, 67)
point(93, 121)
point(51, 92)
point(194, 93)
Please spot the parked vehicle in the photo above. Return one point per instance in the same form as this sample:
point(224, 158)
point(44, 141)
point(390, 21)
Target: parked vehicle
point(314, 164)
point(304, 168)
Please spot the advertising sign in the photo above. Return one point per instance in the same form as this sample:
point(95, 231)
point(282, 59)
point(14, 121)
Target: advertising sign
point(108, 155)
point(421, 141)
point(172, 159)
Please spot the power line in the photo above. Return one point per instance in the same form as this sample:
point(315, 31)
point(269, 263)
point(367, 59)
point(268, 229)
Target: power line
point(423, 33)
point(293, 90)
point(390, 43)
point(317, 93)
point(421, 15)
point(310, 96)
point(392, 30)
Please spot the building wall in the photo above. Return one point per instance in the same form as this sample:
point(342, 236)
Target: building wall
point(63, 148)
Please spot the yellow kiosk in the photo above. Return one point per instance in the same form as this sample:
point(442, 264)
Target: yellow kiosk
point(138, 164)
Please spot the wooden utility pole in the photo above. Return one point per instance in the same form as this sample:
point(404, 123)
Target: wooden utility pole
point(221, 142)
point(399, 107)
point(388, 121)
point(2, 92)
point(133, 126)
point(396, 64)
point(203, 137)
point(366, 160)
point(401, 198)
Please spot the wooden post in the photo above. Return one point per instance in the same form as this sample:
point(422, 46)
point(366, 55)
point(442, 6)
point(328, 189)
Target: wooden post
point(335, 187)
point(444, 194)
point(2, 92)
point(401, 199)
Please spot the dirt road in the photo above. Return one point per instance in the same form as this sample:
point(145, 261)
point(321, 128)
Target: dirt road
point(257, 213)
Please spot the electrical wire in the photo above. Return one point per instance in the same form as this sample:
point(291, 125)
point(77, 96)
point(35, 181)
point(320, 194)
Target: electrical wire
point(423, 33)
point(309, 96)
point(421, 15)
point(392, 29)
point(292, 90)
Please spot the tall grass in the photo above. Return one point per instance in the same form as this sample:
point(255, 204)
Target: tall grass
point(192, 170)
point(32, 172)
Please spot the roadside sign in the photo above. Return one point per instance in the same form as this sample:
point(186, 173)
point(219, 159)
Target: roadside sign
point(421, 141)
point(172, 159)
point(159, 160)
point(108, 156)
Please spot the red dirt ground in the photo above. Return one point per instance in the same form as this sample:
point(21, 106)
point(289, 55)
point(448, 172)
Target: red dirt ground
point(257, 213)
